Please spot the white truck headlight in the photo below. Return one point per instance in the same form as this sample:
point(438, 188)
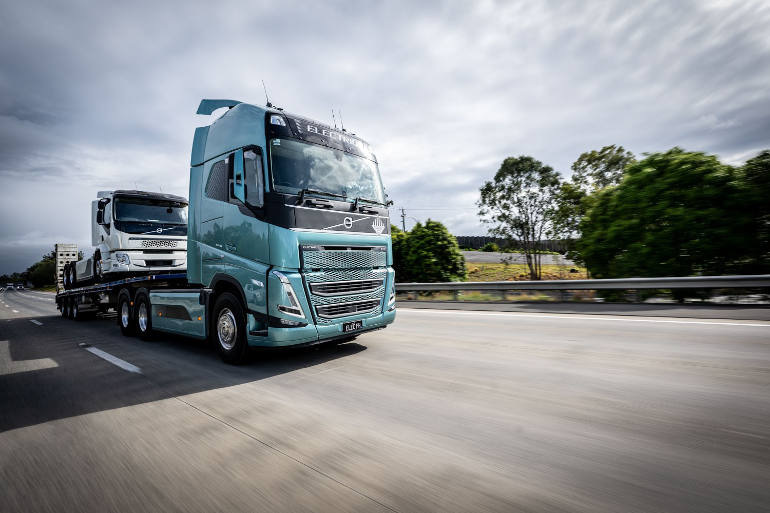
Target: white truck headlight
point(294, 308)
point(122, 258)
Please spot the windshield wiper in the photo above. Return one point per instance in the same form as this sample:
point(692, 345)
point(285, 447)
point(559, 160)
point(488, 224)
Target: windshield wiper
point(306, 191)
point(367, 200)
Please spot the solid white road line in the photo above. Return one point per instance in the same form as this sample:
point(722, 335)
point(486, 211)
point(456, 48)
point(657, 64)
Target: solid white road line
point(579, 317)
point(35, 321)
point(15, 311)
point(114, 360)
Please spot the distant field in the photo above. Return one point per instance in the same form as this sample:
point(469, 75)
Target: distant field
point(520, 272)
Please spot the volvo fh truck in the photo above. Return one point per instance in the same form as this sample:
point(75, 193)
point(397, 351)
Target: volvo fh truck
point(133, 233)
point(288, 240)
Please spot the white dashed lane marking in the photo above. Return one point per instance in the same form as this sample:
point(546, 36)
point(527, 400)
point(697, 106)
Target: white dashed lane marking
point(35, 321)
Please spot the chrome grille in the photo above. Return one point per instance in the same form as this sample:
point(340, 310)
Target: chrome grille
point(339, 288)
point(344, 309)
point(344, 258)
point(159, 243)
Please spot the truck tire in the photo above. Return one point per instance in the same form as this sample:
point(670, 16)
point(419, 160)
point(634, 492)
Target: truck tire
point(73, 276)
point(66, 276)
point(125, 317)
point(143, 316)
point(228, 329)
point(70, 303)
point(63, 308)
point(98, 270)
point(76, 314)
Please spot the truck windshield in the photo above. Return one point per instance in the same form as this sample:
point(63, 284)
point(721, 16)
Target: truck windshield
point(298, 165)
point(150, 211)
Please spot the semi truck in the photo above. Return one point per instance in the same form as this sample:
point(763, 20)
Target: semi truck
point(133, 233)
point(288, 241)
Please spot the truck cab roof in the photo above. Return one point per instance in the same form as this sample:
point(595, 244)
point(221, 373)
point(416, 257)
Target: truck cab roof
point(149, 195)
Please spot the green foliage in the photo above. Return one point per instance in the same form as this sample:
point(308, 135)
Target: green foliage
point(755, 192)
point(428, 253)
point(491, 247)
point(592, 171)
point(43, 273)
point(520, 204)
point(674, 214)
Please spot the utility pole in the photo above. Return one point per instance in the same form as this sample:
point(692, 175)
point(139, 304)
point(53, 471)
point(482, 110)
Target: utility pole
point(403, 219)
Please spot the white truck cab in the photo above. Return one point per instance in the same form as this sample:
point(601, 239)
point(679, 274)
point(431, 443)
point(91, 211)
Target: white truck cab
point(133, 233)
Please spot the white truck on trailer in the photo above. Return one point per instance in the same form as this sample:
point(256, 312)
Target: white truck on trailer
point(133, 233)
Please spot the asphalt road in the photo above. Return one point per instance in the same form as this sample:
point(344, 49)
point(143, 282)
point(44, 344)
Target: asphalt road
point(443, 411)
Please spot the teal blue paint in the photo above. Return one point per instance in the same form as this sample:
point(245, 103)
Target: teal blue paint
point(221, 239)
point(199, 146)
point(208, 106)
point(190, 301)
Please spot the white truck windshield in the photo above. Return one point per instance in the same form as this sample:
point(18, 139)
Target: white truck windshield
point(149, 211)
point(298, 165)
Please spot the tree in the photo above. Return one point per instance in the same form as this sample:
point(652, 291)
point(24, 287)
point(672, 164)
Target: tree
point(399, 241)
point(591, 172)
point(674, 214)
point(594, 170)
point(520, 204)
point(43, 273)
point(755, 184)
point(430, 254)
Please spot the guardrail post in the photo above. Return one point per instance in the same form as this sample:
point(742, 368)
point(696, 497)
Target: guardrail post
point(455, 295)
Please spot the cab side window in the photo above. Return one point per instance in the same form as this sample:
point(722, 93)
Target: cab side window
point(252, 167)
point(218, 183)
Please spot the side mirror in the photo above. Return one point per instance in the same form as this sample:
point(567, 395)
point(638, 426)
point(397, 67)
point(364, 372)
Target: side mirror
point(100, 217)
point(239, 184)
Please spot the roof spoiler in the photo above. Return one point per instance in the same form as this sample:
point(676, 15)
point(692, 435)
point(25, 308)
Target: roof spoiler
point(208, 106)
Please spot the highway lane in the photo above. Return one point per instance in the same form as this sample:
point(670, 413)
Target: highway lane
point(443, 411)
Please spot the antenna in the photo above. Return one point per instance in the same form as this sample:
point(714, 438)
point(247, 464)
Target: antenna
point(342, 124)
point(334, 119)
point(268, 104)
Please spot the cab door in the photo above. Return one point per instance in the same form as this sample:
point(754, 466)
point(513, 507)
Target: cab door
point(214, 197)
point(245, 234)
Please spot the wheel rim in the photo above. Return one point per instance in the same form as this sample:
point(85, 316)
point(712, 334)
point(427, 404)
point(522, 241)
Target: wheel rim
point(99, 268)
point(142, 317)
point(227, 329)
point(124, 314)
point(75, 310)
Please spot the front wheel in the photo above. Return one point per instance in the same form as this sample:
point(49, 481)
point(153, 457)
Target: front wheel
point(228, 330)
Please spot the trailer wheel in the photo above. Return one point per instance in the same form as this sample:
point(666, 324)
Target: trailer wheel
point(70, 303)
point(143, 316)
point(125, 317)
point(63, 308)
point(65, 278)
point(228, 330)
point(76, 313)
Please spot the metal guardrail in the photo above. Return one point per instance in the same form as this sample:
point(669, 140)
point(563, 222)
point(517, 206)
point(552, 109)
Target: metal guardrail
point(688, 282)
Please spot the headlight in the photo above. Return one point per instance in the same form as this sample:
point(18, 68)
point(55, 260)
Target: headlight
point(392, 300)
point(294, 308)
point(122, 258)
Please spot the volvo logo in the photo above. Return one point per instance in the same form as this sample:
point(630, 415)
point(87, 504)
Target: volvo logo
point(378, 225)
point(348, 222)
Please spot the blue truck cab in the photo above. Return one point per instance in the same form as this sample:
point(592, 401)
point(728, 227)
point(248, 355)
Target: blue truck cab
point(288, 231)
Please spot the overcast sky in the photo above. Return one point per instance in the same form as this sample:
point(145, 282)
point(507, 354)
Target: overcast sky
point(96, 97)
